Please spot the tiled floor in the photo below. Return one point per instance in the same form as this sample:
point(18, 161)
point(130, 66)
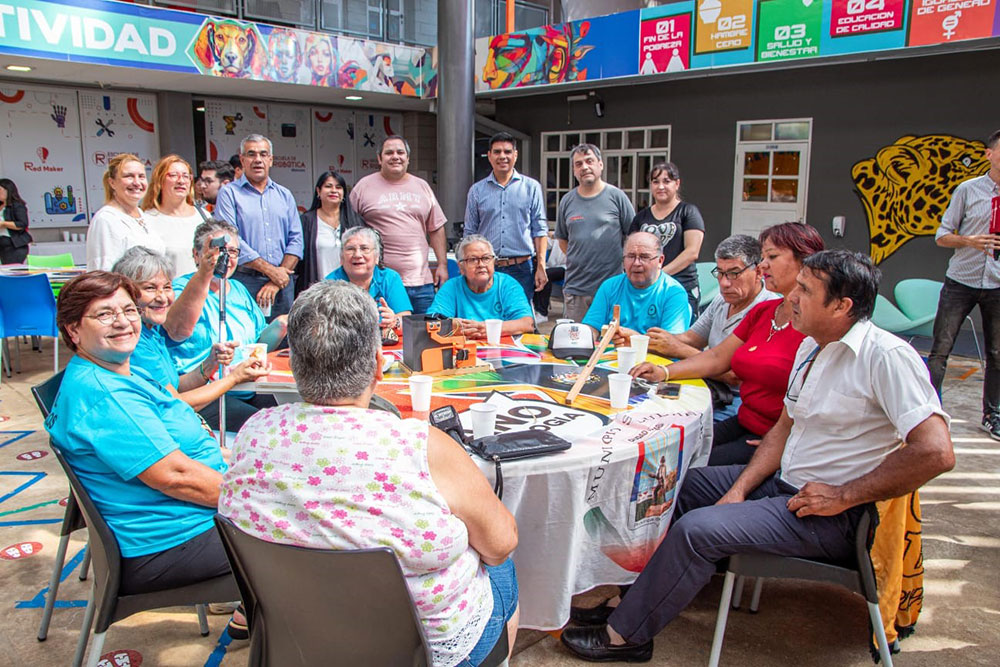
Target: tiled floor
point(799, 623)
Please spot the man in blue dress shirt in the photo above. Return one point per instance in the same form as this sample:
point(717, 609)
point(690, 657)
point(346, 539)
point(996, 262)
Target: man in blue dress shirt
point(507, 208)
point(270, 232)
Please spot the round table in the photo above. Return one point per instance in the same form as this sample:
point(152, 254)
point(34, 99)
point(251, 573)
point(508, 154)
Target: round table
point(587, 516)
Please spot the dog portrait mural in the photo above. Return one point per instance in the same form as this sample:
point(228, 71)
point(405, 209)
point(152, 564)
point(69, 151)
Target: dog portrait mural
point(906, 187)
point(229, 48)
point(550, 54)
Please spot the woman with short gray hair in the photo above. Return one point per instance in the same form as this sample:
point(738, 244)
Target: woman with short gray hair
point(355, 478)
point(151, 271)
point(360, 264)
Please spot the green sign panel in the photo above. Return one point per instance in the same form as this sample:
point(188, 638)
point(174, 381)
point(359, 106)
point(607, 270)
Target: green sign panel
point(789, 29)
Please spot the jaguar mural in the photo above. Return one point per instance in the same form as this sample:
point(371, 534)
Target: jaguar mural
point(906, 187)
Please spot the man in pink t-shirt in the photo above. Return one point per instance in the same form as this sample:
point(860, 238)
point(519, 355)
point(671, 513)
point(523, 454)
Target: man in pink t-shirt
point(404, 210)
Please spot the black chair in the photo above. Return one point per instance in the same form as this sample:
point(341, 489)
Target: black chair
point(857, 575)
point(107, 602)
point(379, 403)
point(45, 396)
point(326, 607)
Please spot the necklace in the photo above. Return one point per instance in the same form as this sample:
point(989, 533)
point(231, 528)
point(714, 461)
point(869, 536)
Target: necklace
point(775, 329)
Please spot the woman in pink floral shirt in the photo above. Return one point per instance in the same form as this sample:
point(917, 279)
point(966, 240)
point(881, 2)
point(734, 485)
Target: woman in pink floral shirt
point(329, 473)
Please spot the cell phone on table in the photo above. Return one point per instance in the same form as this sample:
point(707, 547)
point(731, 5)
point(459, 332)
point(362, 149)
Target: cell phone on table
point(668, 389)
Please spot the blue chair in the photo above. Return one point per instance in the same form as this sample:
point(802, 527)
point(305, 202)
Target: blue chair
point(4, 360)
point(707, 283)
point(453, 268)
point(892, 319)
point(29, 309)
point(918, 299)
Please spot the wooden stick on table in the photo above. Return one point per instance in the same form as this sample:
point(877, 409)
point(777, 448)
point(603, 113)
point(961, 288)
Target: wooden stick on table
point(609, 333)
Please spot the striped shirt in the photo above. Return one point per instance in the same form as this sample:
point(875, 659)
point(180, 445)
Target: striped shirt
point(969, 214)
point(509, 216)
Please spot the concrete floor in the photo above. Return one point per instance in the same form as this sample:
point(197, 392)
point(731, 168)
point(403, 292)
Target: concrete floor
point(798, 623)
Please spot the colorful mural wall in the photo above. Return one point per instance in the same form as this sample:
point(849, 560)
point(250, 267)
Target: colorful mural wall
point(127, 35)
point(906, 186)
point(704, 34)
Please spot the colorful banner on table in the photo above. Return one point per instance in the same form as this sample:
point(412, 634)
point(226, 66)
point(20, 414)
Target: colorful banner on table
point(137, 36)
point(703, 34)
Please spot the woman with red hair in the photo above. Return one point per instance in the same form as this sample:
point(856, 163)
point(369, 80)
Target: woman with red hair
point(171, 212)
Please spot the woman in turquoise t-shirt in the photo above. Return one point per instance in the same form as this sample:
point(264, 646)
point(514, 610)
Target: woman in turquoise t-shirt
point(144, 457)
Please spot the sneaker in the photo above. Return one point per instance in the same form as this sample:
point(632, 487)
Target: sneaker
point(540, 319)
point(991, 424)
point(223, 608)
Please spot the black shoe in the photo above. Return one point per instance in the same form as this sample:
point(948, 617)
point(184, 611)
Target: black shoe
point(991, 424)
point(591, 615)
point(238, 631)
point(593, 644)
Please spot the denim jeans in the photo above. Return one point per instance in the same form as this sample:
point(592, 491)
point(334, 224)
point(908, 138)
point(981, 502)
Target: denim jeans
point(421, 297)
point(503, 579)
point(956, 302)
point(254, 280)
point(524, 274)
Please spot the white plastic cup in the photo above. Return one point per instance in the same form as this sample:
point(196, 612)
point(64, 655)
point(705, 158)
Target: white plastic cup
point(620, 385)
point(420, 392)
point(65, 237)
point(493, 328)
point(640, 344)
point(626, 359)
point(484, 419)
point(564, 320)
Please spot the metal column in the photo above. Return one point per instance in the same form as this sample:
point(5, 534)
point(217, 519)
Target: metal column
point(456, 105)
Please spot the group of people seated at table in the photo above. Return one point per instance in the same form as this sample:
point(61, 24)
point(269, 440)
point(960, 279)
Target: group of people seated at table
point(824, 400)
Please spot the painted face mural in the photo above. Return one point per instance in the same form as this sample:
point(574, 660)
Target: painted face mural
point(550, 54)
point(286, 55)
point(906, 187)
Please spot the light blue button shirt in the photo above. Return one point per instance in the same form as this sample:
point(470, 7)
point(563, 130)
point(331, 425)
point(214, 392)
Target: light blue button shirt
point(268, 221)
point(510, 216)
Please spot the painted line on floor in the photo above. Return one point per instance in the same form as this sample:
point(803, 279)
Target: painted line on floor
point(30, 507)
point(215, 658)
point(35, 478)
point(38, 601)
point(18, 436)
point(967, 374)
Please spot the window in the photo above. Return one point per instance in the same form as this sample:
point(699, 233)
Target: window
point(491, 16)
point(629, 154)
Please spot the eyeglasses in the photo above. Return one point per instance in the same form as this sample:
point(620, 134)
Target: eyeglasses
point(175, 176)
point(253, 155)
point(806, 364)
point(363, 249)
point(485, 259)
point(107, 317)
point(641, 258)
point(730, 275)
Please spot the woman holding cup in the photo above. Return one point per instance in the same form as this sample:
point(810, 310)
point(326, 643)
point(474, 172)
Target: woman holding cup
point(480, 295)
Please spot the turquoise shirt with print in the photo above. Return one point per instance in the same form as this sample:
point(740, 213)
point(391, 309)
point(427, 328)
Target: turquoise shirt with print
point(504, 300)
point(663, 304)
point(386, 284)
point(111, 428)
point(244, 322)
point(151, 355)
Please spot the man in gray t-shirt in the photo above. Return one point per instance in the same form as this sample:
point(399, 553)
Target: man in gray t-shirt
point(740, 289)
point(591, 226)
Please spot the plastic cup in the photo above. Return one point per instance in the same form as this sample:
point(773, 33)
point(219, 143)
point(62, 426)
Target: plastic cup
point(65, 237)
point(620, 385)
point(640, 344)
point(493, 328)
point(420, 392)
point(626, 359)
point(484, 419)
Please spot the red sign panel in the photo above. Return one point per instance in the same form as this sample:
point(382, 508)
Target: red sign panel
point(857, 17)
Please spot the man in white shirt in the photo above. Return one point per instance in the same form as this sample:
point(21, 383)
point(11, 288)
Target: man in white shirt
point(855, 394)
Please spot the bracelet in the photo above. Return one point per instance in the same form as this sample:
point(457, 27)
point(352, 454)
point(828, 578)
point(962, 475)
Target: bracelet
point(666, 372)
point(201, 370)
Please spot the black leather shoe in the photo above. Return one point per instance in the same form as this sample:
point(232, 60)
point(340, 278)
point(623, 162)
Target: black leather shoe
point(593, 644)
point(591, 615)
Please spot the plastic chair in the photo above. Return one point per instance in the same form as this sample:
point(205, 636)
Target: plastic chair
point(858, 576)
point(29, 309)
point(453, 268)
point(4, 350)
point(326, 607)
point(918, 299)
point(379, 403)
point(707, 283)
point(106, 602)
point(887, 316)
point(45, 395)
point(63, 261)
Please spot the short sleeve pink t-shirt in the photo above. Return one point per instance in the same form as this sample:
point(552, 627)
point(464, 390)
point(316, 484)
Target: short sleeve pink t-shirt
point(403, 212)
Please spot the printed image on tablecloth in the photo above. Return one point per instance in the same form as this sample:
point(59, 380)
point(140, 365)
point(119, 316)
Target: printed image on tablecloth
point(656, 472)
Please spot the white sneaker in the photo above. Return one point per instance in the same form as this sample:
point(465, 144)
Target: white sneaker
point(222, 608)
point(539, 318)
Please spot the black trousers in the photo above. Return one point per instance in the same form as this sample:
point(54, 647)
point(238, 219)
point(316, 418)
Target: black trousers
point(238, 410)
point(9, 254)
point(729, 443)
point(703, 533)
point(200, 558)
